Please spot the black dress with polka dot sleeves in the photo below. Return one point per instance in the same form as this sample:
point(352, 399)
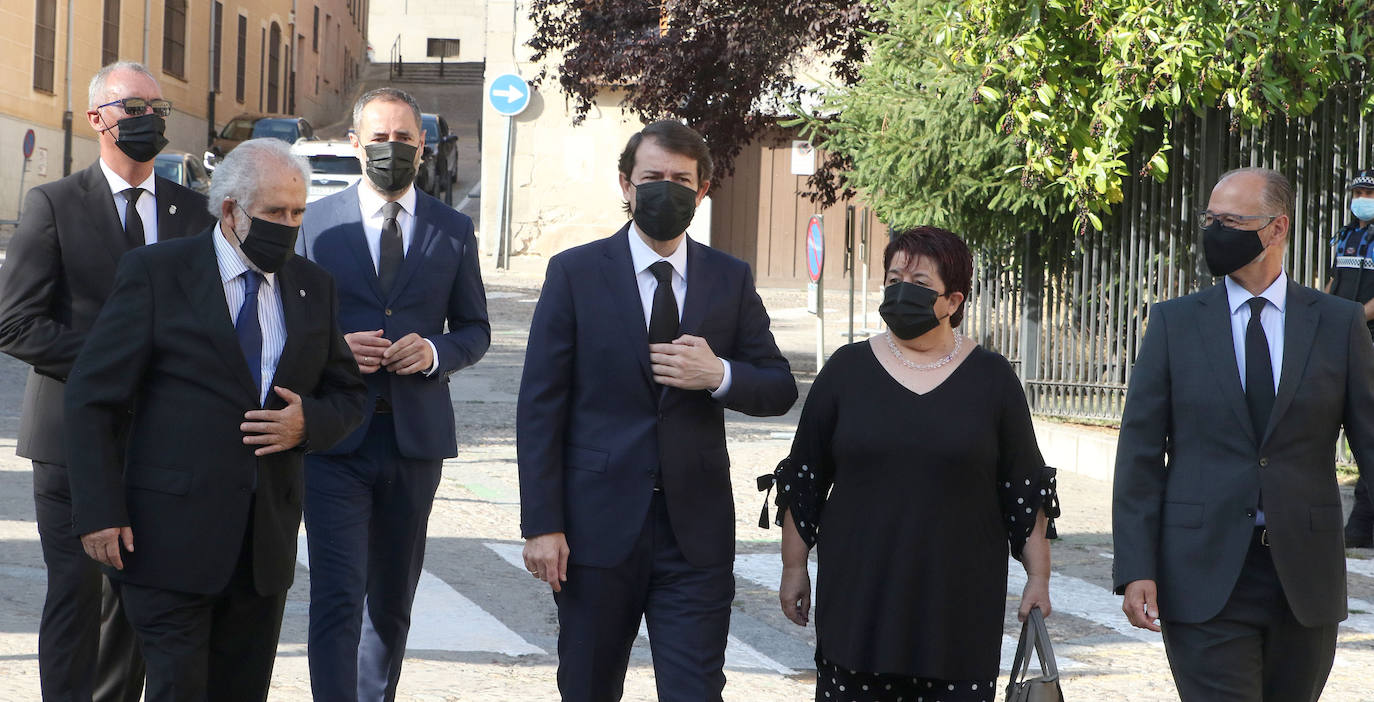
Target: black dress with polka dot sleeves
point(913, 503)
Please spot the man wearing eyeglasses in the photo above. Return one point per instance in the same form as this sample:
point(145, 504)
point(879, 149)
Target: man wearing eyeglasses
point(1226, 515)
point(59, 269)
point(1352, 277)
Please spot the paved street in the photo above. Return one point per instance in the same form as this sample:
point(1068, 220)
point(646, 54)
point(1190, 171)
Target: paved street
point(485, 630)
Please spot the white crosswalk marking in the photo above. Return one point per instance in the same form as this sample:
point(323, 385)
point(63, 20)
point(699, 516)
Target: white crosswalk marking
point(451, 622)
point(738, 655)
point(1084, 600)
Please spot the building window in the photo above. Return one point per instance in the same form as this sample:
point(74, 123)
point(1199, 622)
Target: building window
point(315, 32)
point(217, 39)
point(109, 38)
point(241, 60)
point(273, 67)
point(441, 48)
point(174, 38)
point(44, 44)
point(262, 66)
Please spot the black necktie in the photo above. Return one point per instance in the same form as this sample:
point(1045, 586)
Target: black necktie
point(389, 262)
point(248, 330)
point(133, 223)
point(1259, 370)
point(663, 315)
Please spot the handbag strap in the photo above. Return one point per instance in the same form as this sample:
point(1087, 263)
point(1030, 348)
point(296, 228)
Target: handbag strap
point(1034, 636)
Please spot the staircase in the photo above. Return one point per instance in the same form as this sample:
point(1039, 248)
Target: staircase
point(433, 72)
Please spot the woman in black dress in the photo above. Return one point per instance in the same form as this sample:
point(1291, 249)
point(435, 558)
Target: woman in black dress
point(915, 468)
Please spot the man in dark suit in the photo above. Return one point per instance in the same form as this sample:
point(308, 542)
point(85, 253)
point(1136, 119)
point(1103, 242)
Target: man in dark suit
point(222, 354)
point(406, 266)
point(1226, 513)
point(638, 344)
point(59, 268)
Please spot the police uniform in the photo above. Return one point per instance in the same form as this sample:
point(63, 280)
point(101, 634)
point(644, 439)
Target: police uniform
point(1352, 277)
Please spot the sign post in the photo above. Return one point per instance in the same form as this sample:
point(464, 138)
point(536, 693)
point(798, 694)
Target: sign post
point(30, 140)
point(815, 265)
point(509, 95)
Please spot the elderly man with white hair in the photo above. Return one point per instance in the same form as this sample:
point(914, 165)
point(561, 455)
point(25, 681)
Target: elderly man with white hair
point(221, 357)
point(59, 268)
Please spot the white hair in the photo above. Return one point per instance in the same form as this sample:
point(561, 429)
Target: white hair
point(238, 176)
point(96, 93)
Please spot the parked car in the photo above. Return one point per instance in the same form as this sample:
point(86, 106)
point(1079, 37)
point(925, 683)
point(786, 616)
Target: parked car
point(333, 166)
point(288, 128)
point(439, 163)
point(183, 169)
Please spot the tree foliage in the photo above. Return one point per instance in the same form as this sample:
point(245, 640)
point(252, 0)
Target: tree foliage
point(909, 136)
point(725, 67)
point(1075, 82)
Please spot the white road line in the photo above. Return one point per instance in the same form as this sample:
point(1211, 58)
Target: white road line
point(1084, 600)
point(448, 621)
point(1360, 566)
point(738, 654)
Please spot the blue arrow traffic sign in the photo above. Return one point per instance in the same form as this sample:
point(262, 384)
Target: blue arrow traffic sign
point(509, 94)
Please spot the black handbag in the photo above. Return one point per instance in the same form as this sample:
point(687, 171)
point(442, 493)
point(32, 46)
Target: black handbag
point(1045, 687)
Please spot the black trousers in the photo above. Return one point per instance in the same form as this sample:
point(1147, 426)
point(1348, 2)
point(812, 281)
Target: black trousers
point(1254, 650)
point(208, 648)
point(86, 648)
point(686, 610)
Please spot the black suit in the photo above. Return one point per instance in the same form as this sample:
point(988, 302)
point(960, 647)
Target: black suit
point(594, 432)
point(1190, 472)
point(204, 537)
point(59, 269)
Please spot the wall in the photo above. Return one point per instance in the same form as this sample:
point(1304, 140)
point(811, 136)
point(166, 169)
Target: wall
point(415, 21)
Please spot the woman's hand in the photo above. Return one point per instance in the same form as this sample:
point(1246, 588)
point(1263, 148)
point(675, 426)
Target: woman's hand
point(1035, 594)
point(795, 594)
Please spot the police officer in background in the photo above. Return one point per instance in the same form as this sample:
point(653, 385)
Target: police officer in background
point(1352, 277)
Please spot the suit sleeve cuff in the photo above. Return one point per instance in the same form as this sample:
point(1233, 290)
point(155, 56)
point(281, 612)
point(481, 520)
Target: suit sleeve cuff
point(434, 353)
point(720, 392)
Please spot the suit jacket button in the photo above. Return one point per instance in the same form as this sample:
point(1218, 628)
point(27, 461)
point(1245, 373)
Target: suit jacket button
point(388, 311)
point(1264, 462)
point(1250, 513)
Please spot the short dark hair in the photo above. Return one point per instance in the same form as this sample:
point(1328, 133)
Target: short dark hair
point(674, 137)
point(386, 95)
point(952, 259)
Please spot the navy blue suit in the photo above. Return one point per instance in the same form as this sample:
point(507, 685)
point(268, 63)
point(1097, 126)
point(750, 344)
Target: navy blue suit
point(594, 431)
point(368, 499)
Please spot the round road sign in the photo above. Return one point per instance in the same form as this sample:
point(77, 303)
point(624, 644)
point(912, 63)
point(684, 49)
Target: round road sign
point(815, 248)
point(29, 140)
point(509, 94)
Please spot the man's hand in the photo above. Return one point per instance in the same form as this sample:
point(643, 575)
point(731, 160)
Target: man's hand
point(367, 348)
point(1035, 594)
point(794, 592)
point(546, 558)
point(687, 363)
point(1141, 604)
point(412, 354)
point(103, 545)
point(275, 430)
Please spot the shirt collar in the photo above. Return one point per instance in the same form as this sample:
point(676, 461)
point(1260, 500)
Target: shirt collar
point(1276, 293)
point(371, 203)
point(119, 185)
point(231, 262)
point(642, 256)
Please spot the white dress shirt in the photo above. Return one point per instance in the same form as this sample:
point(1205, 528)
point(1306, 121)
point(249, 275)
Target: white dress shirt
point(1271, 318)
point(146, 205)
point(370, 204)
point(231, 269)
point(641, 257)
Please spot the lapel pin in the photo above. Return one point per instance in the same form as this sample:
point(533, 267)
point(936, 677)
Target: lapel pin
point(302, 293)
point(171, 209)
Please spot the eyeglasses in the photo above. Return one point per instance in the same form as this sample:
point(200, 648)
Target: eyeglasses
point(136, 106)
point(1206, 218)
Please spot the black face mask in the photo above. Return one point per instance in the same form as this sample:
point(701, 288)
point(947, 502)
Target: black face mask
point(391, 165)
point(140, 138)
point(908, 309)
point(1228, 250)
point(268, 244)
point(663, 209)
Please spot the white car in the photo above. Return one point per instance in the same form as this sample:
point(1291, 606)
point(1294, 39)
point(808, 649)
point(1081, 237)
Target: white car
point(333, 166)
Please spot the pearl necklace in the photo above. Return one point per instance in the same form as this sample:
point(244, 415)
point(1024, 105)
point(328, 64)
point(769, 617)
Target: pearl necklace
point(958, 343)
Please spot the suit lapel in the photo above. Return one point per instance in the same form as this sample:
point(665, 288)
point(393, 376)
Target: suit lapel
point(420, 240)
point(700, 283)
point(624, 293)
point(100, 207)
point(1214, 324)
point(294, 316)
point(171, 214)
point(352, 224)
point(1300, 320)
point(201, 283)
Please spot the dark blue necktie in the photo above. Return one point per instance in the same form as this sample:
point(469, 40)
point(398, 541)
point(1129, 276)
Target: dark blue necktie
point(248, 330)
point(1259, 371)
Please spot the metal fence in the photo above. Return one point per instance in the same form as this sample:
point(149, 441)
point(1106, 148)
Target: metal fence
point(1073, 327)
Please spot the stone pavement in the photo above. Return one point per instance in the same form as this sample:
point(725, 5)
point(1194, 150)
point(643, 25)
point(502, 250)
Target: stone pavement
point(484, 630)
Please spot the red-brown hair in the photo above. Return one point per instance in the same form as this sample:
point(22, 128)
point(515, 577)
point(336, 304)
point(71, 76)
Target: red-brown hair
point(946, 250)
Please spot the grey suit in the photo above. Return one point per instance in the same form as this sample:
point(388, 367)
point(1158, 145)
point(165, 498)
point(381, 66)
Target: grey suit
point(1190, 468)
